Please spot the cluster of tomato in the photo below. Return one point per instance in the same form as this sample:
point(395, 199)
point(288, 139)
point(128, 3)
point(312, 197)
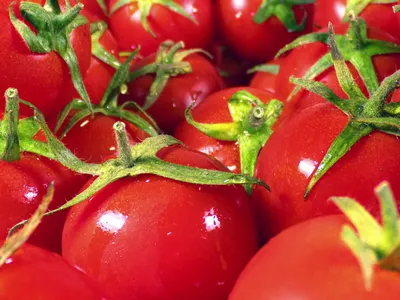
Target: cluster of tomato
point(197, 149)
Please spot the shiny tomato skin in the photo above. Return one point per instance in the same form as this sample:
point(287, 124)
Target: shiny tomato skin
point(23, 184)
point(309, 261)
point(93, 139)
point(334, 10)
point(166, 25)
point(153, 238)
point(385, 65)
point(180, 91)
point(42, 79)
point(292, 155)
point(214, 109)
point(251, 41)
point(36, 274)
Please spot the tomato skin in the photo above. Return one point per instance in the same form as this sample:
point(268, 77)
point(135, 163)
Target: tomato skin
point(180, 91)
point(166, 24)
point(23, 184)
point(93, 139)
point(251, 41)
point(56, 280)
point(385, 65)
point(42, 79)
point(293, 153)
point(377, 15)
point(188, 241)
point(309, 261)
point(92, 7)
point(214, 109)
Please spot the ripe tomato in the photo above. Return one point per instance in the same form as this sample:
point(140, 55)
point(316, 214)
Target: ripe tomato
point(294, 152)
point(36, 274)
point(93, 139)
point(334, 10)
point(212, 110)
point(179, 92)
point(42, 79)
point(319, 264)
point(93, 7)
point(23, 184)
point(148, 237)
point(257, 42)
point(166, 25)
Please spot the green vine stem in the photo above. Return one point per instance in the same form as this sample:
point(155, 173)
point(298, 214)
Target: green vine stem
point(145, 9)
point(52, 33)
point(355, 47)
point(251, 127)
point(372, 243)
point(365, 115)
point(266, 68)
point(283, 10)
point(357, 6)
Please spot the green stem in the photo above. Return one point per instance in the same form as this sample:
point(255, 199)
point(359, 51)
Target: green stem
point(124, 151)
point(9, 127)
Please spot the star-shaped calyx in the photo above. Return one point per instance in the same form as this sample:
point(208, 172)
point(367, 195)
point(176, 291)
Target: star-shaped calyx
point(355, 47)
point(365, 115)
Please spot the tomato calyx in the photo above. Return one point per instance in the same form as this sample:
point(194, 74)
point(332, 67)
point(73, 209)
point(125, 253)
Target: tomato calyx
point(372, 243)
point(169, 63)
point(251, 127)
point(109, 104)
point(145, 9)
point(97, 30)
point(357, 6)
point(17, 135)
point(396, 9)
point(16, 239)
point(355, 47)
point(266, 68)
point(365, 115)
point(53, 29)
point(283, 10)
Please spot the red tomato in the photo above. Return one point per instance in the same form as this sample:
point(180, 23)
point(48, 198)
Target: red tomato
point(309, 261)
point(166, 24)
point(180, 91)
point(36, 274)
point(93, 139)
point(252, 41)
point(333, 11)
point(23, 184)
point(295, 150)
point(148, 237)
point(214, 109)
point(384, 65)
point(42, 79)
point(92, 7)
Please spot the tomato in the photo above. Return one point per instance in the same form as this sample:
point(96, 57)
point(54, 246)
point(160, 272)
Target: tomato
point(42, 79)
point(93, 139)
point(179, 92)
point(24, 183)
point(36, 274)
point(334, 11)
point(166, 25)
point(148, 237)
point(93, 7)
point(212, 110)
point(257, 42)
point(294, 152)
point(384, 65)
point(310, 261)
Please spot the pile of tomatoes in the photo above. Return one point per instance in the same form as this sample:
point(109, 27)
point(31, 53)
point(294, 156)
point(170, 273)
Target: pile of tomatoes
point(200, 149)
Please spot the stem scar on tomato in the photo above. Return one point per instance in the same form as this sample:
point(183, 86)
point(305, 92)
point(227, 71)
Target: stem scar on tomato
point(355, 47)
point(365, 115)
point(53, 29)
point(372, 243)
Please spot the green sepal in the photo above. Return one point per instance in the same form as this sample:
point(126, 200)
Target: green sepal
point(396, 8)
point(251, 127)
point(53, 30)
point(355, 47)
point(357, 6)
point(373, 243)
point(145, 8)
point(267, 68)
point(283, 10)
point(169, 63)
